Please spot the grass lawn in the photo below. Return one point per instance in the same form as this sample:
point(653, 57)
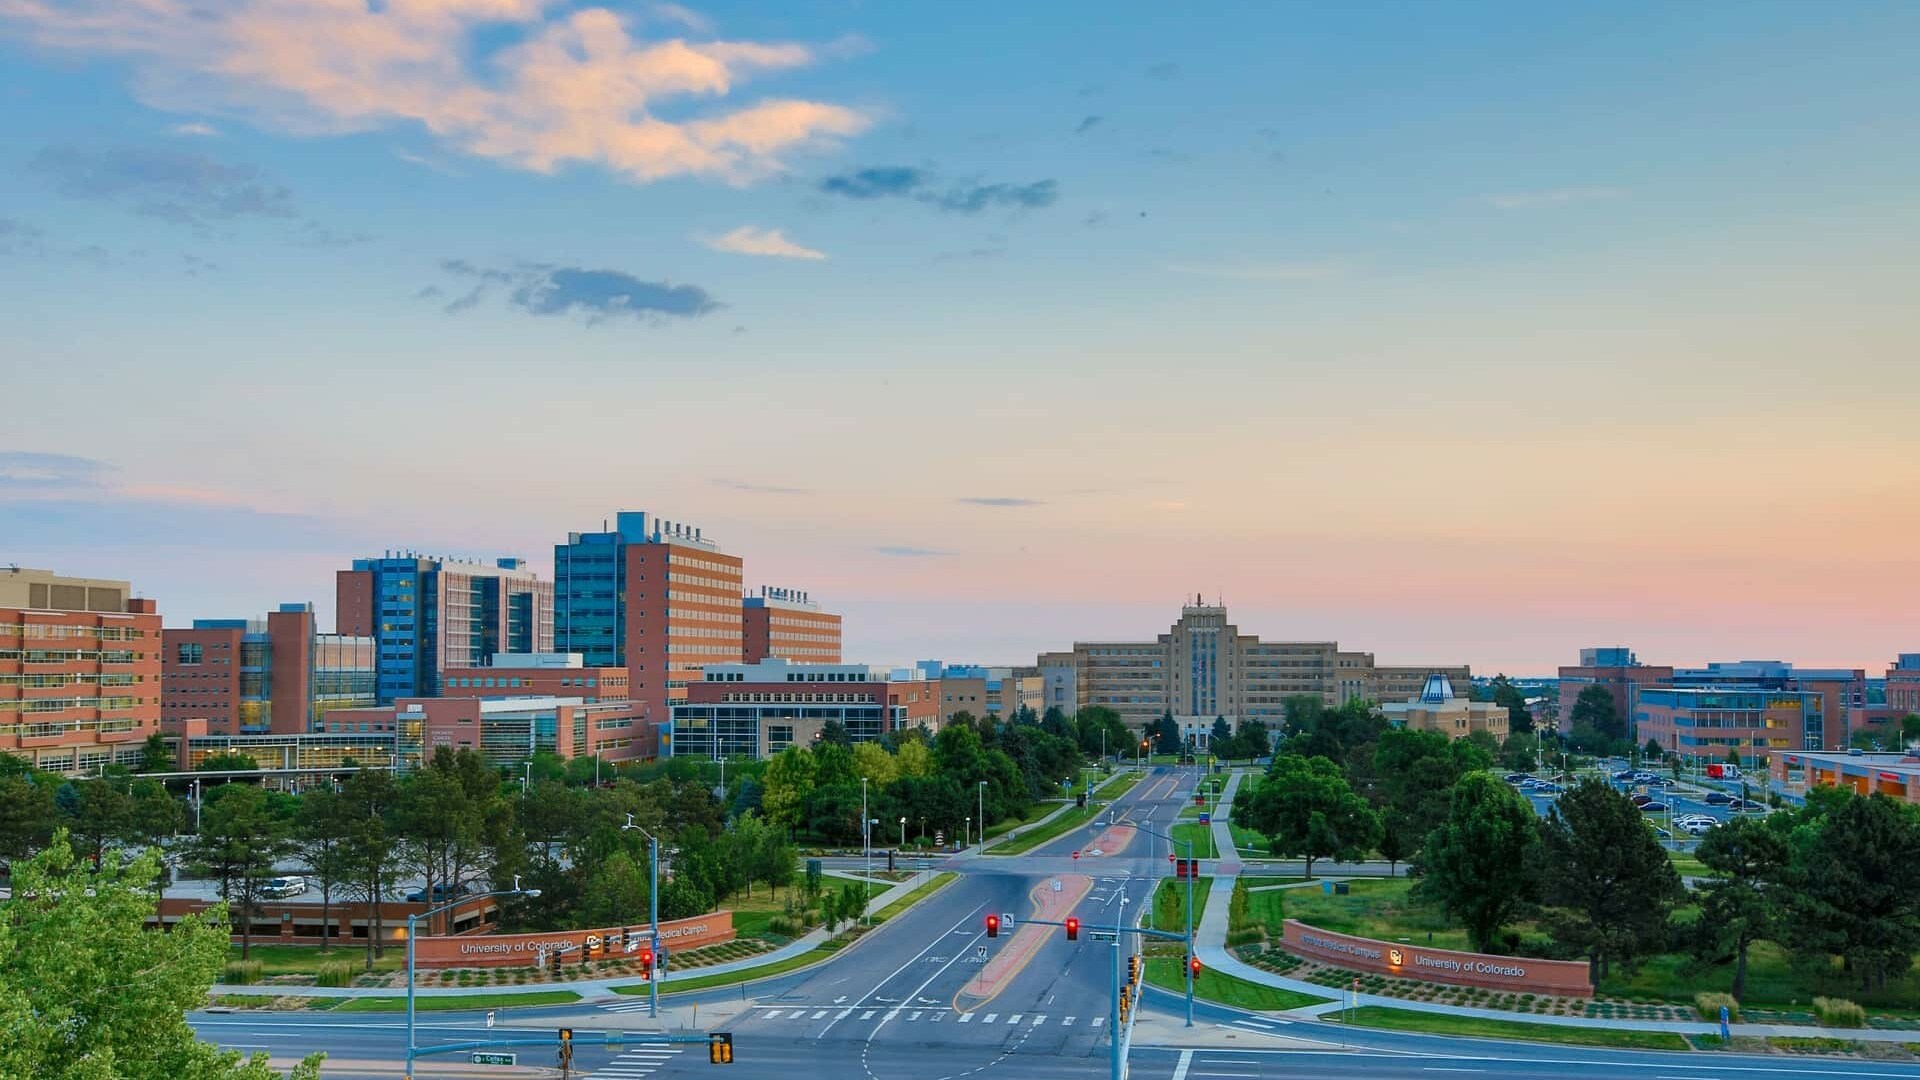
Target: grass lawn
point(925, 890)
point(732, 978)
point(1170, 903)
point(1444, 1024)
point(1032, 838)
point(1034, 813)
point(1117, 785)
point(1773, 982)
point(1201, 836)
point(455, 1004)
point(1165, 972)
point(1375, 909)
point(306, 959)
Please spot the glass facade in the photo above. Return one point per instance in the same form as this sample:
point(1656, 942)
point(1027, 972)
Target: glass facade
point(589, 581)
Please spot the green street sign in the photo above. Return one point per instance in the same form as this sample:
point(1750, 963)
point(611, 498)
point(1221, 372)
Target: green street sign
point(493, 1059)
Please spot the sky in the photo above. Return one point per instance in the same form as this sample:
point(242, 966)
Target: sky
point(1471, 332)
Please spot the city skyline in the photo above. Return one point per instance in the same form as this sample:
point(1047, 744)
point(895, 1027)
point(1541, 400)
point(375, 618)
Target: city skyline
point(1470, 336)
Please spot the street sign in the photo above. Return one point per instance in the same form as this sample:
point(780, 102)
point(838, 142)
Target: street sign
point(1104, 935)
point(939, 838)
point(1206, 817)
point(1006, 919)
point(493, 1058)
point(980, 951)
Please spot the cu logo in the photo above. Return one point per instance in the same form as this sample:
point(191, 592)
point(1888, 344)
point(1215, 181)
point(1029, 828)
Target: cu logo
point(1394, 957)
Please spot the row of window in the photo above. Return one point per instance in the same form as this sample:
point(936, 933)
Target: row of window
point(73, 656)
point(42, 729)
point(62, 630)
point(71, 678)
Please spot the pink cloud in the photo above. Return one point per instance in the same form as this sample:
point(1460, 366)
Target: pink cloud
point(576, 88)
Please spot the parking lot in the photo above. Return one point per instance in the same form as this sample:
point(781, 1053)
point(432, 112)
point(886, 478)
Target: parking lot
point(1679, 800)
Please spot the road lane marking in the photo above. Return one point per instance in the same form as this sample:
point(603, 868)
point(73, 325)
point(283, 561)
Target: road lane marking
point(1098, 1020)
point(990, 1018)
point(868, 1015)
point(1038, 1020)
point(959, 928)
point(1068, 1022)
point(1013, 1020)
point(1180, 1070)
point(820, 1014)
point(843, 1014)
point(966, 1018)
point(798, 1013)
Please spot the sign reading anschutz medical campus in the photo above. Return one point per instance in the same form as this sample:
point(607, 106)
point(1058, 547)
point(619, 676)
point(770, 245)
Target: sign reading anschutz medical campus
point(1562, 978)
point(522, 950)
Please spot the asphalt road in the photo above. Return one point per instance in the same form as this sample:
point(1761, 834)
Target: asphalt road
point(916, 1000)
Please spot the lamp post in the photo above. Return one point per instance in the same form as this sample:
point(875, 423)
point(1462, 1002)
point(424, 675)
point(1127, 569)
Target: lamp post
point(412, 922)
point(968, 840)
point(903, 832)
point(526, 781)
point(866, 830)
point(983, 817)
point(653, 915)
point(1192, 872)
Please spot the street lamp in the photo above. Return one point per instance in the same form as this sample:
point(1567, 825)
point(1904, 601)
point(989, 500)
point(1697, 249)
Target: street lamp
point(653, 915)
point(527, 780)
point(983, 817)
point(903, 832)
point(1193, 871)
point(412, 921)
point(968, 842)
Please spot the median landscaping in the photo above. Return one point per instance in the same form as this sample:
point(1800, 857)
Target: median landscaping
point(1478, 1027)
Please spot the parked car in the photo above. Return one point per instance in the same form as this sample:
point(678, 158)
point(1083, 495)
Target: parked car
point(441, 893)
point(1653, 808)
point(1716, 798)
point(279, 888)
point(1699, 828)
point(1518, 778)
point(1641, 800)
point(1624, 774)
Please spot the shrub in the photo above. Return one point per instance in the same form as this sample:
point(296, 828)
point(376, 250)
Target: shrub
point(1246, 935)
point(1709, 1005)
point(242, 972)
point(335, 973)
point(1839, 1012)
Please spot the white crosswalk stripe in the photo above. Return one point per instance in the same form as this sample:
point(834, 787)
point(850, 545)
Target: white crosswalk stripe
point(966, 1017)
point(868, 1015)
point(990, 1018)
point(1014, 1019)
point(916, 1014)
point(798, 1013)
point(820, 1014)
point(1098, 1020)
point(1038, 1020)
point(843, 1014)
point(1068, 1022)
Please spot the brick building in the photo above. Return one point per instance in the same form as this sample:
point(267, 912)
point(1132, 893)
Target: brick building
point(789, 624)
point(79, 670)
point(255, 676)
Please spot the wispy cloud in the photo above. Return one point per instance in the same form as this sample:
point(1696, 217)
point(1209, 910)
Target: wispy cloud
point(922, 186)
point(759, 489)
point(747, 240)
point(901, 551)
point(19, 238)
point(23, 469)
point(592, 294)
point(1261, 271)
point(1530, 200)
point(999, 500)
point(172, 185)
point(691, 21)
point(194, 130)
point(529, 83)
point(1087, 124)
point(1164, 71)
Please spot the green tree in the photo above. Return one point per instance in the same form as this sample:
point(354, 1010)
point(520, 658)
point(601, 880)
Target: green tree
point(1166, 735)
point(1595, 709)
point(321, 831)
point(1743, 903)
point(915, 758)
point(95, 813)
point(1910, 729)
point(834, 733)
point(26, 815)
point(87, 992)
point(156, 755)
point(441, 825)
point(788, 779)
point(1306, 810)
point(616, 893)
point(153, 814)
point(1608, 881)
point(1856, 883)
point(1652, 750)
point(372, 851)
point(1220, 739)
point(878, 766)
point(1520, 752)
point(1253, 740)
point(1098, 727)
point(1396, 841)
point(241, 836)
point(1417, 771)
point(1478, 861)
point(228, 761)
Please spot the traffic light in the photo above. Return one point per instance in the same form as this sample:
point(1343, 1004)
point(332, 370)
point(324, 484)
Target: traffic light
point(646, 962)
point(1133, 969)
point(993, 926)
point(1126, 1002)
point(554, 959)
point(566, 1047)
point(1073, 929)
point(1193, 965)
point(720, 1047)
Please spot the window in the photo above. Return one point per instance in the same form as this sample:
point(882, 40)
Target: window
point(189, 652)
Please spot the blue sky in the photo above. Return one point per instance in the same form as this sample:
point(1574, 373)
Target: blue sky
point(1424, 326)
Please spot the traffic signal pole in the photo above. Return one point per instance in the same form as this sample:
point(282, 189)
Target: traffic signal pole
point(1122, 1028)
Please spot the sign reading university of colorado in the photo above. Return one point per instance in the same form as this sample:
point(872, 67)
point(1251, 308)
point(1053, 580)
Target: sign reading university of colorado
point(523, 950)
point(1562, 978)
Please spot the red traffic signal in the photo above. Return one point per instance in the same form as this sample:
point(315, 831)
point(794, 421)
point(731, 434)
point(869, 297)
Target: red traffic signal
point(1193, 965)
point(993, 926)
point(646, 959)
point(1073, 929)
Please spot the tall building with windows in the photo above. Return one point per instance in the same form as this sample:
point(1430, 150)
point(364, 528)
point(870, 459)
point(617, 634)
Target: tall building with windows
point(760, 709)
point(1614, 668)
point(79, 671)
point(655, 597)
point(276, 675)
point(1205, 669)
point(427, 614)
point(788, 623)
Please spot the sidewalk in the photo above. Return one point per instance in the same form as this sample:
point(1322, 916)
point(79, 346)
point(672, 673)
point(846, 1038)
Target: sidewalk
point(1210, 943)
point(586, 988)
